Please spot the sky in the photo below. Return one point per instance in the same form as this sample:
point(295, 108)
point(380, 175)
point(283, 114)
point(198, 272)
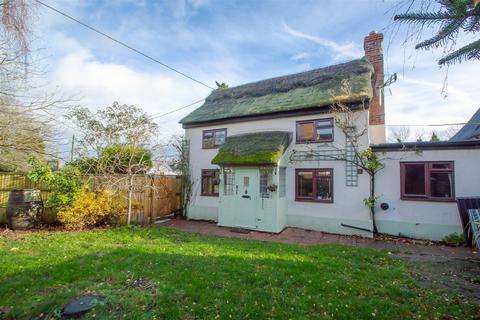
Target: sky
point(238, 42)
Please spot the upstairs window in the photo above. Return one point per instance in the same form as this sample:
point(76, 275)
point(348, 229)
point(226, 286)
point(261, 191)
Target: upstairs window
point(320, 130)
point(213, 138)
point(210, 182)
point(314, 185)
point(433, 181)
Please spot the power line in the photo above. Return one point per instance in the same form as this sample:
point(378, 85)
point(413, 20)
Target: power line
point(157, 115)
point(123, 44)
point(432, 125)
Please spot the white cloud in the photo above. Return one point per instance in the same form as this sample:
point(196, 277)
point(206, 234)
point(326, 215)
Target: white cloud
point(344, 50)
point(300, 56)
point(99, 84)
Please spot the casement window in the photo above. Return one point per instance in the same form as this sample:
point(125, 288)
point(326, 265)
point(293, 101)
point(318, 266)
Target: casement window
point(210, 182)
point(228, 181)
point(266, 179)
point(314, 185)
point(431, 181)
point(320, 130)
point(213, 138)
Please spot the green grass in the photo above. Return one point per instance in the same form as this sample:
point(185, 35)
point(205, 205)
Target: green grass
point(187, 276)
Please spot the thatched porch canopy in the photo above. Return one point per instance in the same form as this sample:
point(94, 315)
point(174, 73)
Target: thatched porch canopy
point(311, 89)
point(253, 149)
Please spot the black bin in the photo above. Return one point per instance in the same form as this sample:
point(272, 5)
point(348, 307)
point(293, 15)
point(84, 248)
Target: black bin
point(24, 209)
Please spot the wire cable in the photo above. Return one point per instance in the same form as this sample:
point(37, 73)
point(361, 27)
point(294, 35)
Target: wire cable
point(123, 44)
point(157, 115)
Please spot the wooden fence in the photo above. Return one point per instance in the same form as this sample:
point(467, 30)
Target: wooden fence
point(154, 196)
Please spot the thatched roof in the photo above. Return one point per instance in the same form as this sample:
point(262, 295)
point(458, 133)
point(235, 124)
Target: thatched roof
point(253, 149)
point(315, 88)
point(470, 131)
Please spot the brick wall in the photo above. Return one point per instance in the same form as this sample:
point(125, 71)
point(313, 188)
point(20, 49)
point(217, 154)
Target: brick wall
point(372, 45)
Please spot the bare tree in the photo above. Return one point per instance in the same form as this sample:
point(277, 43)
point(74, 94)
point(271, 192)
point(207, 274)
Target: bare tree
point(26, 112)
point(399, 134)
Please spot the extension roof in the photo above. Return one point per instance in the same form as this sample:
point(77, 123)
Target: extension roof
point(470, 131)
point(306, 90)
point(253, 149)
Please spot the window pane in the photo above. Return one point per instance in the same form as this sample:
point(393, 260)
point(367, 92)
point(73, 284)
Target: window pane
point(207, 184)
point(324, 133)
point(220, 137)
point(208, 141)
point(229, 182)
point(440, 166)
point(305, 184)
point(415, 179)
point(324, 188)
point(441, 184)
point(324, 123)
point(265, 181)
point(210, 182)
point(246, 182)
point(305, 131)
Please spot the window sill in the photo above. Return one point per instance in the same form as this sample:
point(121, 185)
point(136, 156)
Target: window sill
point(313, 200)
point(427, 199)
point(313, 141)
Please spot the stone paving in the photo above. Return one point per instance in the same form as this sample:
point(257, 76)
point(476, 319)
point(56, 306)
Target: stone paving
point(310, 237)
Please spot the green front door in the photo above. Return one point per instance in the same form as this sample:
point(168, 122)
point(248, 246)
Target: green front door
point(246, 196)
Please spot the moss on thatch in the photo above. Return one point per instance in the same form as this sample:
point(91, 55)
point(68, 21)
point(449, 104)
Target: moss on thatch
point(316, 88)
point(253, 149)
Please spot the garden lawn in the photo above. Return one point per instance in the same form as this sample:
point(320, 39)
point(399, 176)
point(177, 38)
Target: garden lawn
point(162, 273)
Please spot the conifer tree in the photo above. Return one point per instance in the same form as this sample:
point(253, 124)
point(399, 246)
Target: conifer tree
point(455, 16)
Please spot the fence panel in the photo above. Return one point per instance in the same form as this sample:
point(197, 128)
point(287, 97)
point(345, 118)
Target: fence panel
point(153, 197)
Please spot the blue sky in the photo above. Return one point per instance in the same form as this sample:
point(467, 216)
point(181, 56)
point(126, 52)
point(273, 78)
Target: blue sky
point(237, 42)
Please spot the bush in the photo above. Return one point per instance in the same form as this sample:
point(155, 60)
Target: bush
point(65, 184)
point(119, 158)
point(92, 209)
point(455, 239)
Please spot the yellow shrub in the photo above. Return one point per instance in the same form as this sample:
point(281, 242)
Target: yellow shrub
point(93, 209)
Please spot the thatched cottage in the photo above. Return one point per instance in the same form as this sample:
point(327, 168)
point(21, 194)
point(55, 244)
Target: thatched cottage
point(277, 153)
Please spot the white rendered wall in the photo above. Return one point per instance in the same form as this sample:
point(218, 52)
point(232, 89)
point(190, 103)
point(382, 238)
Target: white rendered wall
point(348, 204)
point(425, 219)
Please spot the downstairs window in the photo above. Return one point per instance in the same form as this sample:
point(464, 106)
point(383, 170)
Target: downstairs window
point(210, 182)
point(314, 185)
point(432, 181)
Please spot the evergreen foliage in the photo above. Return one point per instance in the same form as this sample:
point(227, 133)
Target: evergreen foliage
point(454, 16)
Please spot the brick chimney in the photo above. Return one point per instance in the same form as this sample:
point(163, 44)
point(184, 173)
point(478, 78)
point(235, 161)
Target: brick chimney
point(372, 45)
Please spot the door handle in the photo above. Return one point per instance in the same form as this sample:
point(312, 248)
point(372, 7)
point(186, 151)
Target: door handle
point(246, 196)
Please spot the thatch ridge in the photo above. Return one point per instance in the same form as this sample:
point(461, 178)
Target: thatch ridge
point(310, 89)
point(292, 81)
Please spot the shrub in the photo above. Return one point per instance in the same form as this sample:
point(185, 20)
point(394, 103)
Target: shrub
point(455, 239)
point(119, 158)
point(65, 183)
point(93, 209)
